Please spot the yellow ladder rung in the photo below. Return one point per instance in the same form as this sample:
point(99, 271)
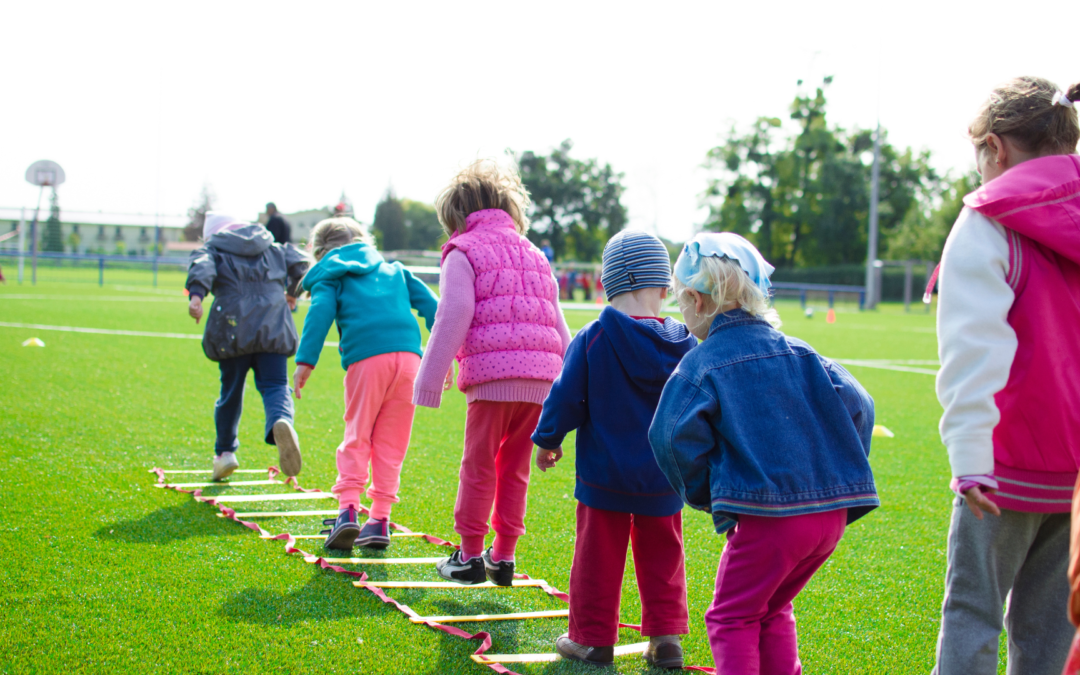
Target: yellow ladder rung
point(548, 614)
point(281, 514)
point(518, 583)
point(282, 497)
point(375, 561)
point(488, 659)
point(234, 483)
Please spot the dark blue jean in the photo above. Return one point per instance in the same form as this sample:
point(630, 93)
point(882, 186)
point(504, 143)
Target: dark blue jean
point(272, 381)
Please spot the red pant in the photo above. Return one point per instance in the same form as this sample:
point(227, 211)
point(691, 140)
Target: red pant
point(495, 471)
point(596, 577)
point(765, 564)
point(378, 421)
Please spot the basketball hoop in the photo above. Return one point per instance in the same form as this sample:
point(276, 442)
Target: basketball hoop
point(45, 173)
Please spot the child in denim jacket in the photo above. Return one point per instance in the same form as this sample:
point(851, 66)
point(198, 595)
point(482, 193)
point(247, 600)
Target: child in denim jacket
point(771, 438)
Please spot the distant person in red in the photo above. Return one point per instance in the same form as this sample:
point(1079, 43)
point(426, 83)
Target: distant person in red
point(586, 284)
point(277, 225)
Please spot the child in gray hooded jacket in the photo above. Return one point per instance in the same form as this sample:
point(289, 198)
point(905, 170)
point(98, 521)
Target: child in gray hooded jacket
point(250, 327)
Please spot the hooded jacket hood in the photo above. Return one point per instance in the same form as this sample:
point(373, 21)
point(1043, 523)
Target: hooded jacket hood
point(250, 241)
point(647, 357)
point(358, 259)
point(1040, 199)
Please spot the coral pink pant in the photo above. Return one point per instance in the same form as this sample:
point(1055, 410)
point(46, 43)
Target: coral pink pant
point(766, 562)
point(596, 577)
point(495, 472)
point(378, 421)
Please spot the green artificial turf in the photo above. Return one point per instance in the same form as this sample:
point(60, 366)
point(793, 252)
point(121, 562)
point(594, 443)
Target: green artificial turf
point(102, 572)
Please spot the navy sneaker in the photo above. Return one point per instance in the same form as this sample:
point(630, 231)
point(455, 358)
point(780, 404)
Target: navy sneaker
point(500, 573)
point(374, 534)
point(466, 573)
point(345, 530)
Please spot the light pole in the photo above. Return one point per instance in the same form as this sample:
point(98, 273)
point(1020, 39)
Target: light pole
point(872, 290)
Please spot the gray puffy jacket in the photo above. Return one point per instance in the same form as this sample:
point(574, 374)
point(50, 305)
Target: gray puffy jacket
point(248, 274)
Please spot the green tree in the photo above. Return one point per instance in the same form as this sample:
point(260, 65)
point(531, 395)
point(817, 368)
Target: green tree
point(73, 240)
point(576, 203)
point(921, 235)
point(803, 199)
point(197, 214)
point(52, 238)
point(391, 233)
point(422, 222)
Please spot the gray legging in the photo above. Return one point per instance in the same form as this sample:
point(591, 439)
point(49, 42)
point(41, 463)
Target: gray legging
point(1020, 560)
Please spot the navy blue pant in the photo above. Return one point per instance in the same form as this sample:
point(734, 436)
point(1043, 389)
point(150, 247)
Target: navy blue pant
point(272, 381)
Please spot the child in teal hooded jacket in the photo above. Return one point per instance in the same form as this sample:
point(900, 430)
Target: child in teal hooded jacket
point(372, 301)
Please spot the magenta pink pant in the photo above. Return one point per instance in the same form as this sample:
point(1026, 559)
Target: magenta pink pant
point(495, 472)
point(378, 421)
point(596, 577)
point(766, 562)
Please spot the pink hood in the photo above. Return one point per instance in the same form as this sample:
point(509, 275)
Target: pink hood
point(1037, 441)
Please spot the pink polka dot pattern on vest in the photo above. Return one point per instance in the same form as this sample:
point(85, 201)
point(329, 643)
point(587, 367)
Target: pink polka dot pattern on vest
point(513, 332)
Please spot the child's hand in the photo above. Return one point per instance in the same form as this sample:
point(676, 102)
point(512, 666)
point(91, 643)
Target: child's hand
point(299, 378)
point(290, 301)
point(977, 501)
point(449, 381)
point(194, 308)
point(545, 459)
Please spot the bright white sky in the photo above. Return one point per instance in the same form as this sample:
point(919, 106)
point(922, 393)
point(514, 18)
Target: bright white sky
point(142, 103)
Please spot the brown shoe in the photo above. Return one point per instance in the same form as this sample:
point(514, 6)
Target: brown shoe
point(664, 652)
point(594, 656)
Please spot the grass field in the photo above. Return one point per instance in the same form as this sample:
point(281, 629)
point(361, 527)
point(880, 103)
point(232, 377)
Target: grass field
point(101, 572)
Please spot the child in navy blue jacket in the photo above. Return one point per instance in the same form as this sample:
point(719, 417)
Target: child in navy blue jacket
point(611, 380)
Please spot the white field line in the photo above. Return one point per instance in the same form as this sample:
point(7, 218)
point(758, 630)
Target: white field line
point(109, 331)
point(885, 366)
point(94, 298)
point(897, 365)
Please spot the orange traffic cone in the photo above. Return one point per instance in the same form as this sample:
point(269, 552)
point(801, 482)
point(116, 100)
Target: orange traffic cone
point(830, 317)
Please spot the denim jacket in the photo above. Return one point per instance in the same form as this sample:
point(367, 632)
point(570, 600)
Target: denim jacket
point(755, 422)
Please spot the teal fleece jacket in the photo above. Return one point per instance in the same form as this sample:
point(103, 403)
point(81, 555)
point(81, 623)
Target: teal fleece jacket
point(371, 301)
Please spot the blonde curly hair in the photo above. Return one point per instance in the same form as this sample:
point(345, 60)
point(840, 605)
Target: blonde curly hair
point(727, 284)
point(483, 185)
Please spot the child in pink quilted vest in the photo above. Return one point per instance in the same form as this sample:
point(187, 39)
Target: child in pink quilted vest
point(499, 316)
point(1008, 320)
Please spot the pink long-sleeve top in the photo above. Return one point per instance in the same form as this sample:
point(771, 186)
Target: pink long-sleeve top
point(457, 303)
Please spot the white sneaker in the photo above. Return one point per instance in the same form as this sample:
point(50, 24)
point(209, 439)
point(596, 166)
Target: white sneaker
point(288, 447)
point(224, 465)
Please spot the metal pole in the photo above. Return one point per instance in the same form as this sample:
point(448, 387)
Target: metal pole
point(33, 239)
point(101, 271)
point(872, 293)
point(907, 284)
point(22, 242)
point(157, 245)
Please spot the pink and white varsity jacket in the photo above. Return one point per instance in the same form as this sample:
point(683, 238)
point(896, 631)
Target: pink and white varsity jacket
point(1009, 336)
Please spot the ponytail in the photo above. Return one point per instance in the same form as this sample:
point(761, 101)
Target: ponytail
point(1030, 112)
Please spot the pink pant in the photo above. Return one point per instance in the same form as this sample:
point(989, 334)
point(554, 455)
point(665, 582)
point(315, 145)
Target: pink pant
point(596, 577)
point(495, 471)
point(378, 421)
point(766, 562)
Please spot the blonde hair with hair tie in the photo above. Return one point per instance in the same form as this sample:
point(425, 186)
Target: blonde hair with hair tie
point(728, 284)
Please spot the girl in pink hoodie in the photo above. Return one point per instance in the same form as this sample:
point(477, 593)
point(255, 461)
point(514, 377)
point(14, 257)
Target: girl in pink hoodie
point(1008, 327)
point(499, 316)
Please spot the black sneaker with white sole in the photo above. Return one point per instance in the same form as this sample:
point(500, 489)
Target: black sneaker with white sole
point(499, 573)
point(466, 573)
point(345, 531)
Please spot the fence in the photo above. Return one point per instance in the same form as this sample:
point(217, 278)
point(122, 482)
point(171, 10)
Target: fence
point(72, 267)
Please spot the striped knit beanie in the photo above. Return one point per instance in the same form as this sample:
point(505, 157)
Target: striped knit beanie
point(634, 260)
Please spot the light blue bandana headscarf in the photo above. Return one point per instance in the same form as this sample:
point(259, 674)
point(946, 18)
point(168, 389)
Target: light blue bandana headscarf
point(722, 245)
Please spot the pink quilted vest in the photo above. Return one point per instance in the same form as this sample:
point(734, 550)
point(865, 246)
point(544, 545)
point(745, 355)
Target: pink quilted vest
point(513, 331)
